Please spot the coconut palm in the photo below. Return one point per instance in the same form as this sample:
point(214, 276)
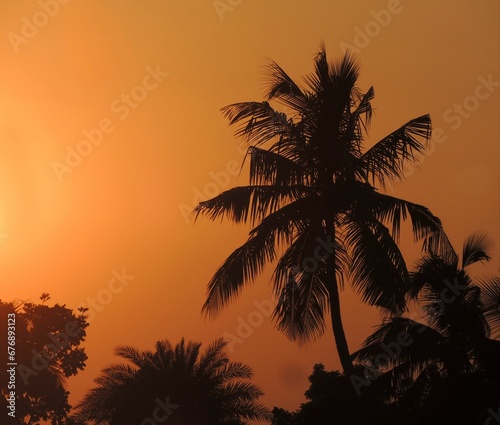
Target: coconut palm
point(313, 204)
point(446, 360)
point(178, 384)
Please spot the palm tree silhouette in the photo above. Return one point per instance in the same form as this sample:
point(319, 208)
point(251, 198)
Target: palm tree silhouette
point(178, 383)
point(448, 360)
point(312, 194)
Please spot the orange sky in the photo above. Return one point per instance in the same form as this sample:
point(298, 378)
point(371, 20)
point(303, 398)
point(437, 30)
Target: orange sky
point(120, 208)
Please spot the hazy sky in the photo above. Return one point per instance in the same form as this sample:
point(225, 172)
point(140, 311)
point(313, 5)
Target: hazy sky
point(110, 130)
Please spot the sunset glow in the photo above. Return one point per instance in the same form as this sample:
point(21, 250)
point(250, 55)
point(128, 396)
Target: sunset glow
point(111, 132)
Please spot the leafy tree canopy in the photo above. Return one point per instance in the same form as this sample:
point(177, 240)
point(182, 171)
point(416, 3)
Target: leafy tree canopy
point(330, 400)
point(46, 350)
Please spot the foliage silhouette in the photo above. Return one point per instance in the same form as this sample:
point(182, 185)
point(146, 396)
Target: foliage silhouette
point(331, 401)
point(47, 351)
point(313, 203)
point(449, 373)
point(200, 388)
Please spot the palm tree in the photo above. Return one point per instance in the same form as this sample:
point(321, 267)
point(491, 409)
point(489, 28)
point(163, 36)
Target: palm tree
point(449, 358)
point(175, 383)
point(312, 197)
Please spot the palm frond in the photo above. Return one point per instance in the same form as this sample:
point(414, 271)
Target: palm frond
point(426, 226)
point(242, 391)
point(130, 353)
point(284, 89)
point(401, 340)
point(430, 273)
point(295, 147)
point(385, 161)
point(490, 294)
point(362, 115)
point(240, 268)
point(257, 122)
point(285, 223)
point(378, 267)
point(115, 374)
point(213, 359)
point(235, 370)
point(186, 355)
point(341, 74)
point(415, 396)
point(249, 202)
point(301, 314)
point(299, 284)
point(477, 247)
point(164, 354)
point(248, 261)
point(456, 309)
point(269, 168)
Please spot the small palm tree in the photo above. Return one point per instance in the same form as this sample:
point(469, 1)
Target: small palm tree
point(178, 383)
point(448, 360)
point(313, 204)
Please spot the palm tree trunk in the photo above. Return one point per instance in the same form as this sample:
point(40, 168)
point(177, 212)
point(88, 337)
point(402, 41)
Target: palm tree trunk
point(338, 328)
point(336, 316)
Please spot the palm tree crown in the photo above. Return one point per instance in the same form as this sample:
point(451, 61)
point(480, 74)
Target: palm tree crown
point(449, 359)
point(313, 204)
point(179, 383)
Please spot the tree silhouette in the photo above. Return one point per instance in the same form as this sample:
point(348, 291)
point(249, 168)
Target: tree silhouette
point(448, 368)
point(177, 384)
point(313, 204)
point(329, 400)
point(46, 352)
